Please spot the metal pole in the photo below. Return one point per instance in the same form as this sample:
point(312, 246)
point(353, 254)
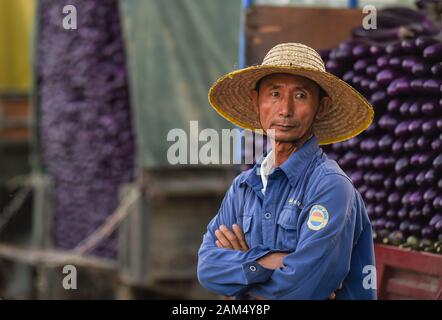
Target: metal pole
point(353, 3)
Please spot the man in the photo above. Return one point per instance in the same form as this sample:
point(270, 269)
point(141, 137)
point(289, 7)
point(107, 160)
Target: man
point(294, 226)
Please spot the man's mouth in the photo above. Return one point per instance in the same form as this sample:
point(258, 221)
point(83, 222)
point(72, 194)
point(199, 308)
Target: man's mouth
point(282, 126)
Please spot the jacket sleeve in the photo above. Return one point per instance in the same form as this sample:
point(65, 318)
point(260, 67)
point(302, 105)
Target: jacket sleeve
point(225, 271)
point(321, 260)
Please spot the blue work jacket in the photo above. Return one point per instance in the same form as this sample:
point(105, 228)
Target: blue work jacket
point(311, 210)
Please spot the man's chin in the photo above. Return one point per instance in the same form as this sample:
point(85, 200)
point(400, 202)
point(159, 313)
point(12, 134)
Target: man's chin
point(286, 138)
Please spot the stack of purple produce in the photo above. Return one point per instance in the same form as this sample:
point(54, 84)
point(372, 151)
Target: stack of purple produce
point(84, 117)
point(397, 163)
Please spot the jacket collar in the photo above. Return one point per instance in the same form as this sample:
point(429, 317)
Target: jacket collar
point(294, 167)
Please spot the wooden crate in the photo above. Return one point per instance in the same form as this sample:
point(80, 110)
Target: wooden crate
point(406, 274)
point(15, 118)
point(319, 28)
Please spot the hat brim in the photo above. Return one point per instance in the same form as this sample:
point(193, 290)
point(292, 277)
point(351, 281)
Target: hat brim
point(349, 113)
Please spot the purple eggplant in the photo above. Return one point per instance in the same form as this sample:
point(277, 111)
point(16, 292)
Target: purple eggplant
point(394, 105)
point(348, 76)
point(429, 195)
point(374, 86)
point(404, 227)
point(405, 107)
point(335, 67)
point(382, 61)
point(415, 126)
point(402, 165)
point(397, 147)
point(386, 76)
point(369, 145)
point(429, 127)
point(372, 70)
point(410, 144)
point(423, 42)
point(428, 232)
point(394, 199)
point(417, 199)
point(430, 176)
point(391, 225)
point(421, 69)
point(377, 50)
point(401, 129)
point(433, 51)
point(436, 144)
point(410, 178)
point(399, 183)
point(436, 69)
point(415, 229)
point(432, 86)
point(387, 122)
point(427, 210)
point(415, 108)
point(423, 142)
point(399, 86)
point(438, 227)
point(420, 178)
point(393, 48)
point(362, 64)
point(402, 213)
point(417, 85)
point(391, 214)
point(385, 143)
point(414, 160)
point(389, 182)
point(395, 62)
point(380, 195)
point(435, 219)
point(437, 163)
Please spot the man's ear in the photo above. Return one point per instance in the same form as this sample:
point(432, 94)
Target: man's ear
point(324, 105)
point(255, 101)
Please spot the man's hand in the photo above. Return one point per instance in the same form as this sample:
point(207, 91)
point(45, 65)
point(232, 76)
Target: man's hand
point(272, 260)
point(229, 239)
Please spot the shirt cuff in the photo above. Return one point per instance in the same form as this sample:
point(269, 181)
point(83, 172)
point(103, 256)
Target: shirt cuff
point(255, 273)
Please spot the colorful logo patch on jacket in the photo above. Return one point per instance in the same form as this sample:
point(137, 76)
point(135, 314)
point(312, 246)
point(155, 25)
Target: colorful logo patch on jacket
point(318, 217)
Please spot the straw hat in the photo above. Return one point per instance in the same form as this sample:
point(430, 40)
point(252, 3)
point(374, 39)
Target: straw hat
point(348, 115)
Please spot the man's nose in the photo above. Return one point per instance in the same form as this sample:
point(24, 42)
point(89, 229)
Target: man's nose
point(286, 108)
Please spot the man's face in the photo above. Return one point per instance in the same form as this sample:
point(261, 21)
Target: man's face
point(287, 104)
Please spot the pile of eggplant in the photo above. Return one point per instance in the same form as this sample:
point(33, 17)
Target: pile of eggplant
point(84, 117)
point(396, 164)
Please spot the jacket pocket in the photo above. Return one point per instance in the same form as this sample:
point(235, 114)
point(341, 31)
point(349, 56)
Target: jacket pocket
point(287, 234)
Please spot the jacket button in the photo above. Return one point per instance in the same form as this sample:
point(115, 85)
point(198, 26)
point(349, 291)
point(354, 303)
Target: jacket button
point(268, 215)
point(252, 268)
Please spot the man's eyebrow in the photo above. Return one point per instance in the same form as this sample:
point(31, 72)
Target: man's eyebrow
point(275, 85)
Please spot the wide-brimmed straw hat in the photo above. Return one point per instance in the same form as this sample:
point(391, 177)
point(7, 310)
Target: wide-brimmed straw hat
point(348, 115)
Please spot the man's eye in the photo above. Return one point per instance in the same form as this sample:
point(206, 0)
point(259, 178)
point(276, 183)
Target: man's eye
point(274, 94)
point(300, 95)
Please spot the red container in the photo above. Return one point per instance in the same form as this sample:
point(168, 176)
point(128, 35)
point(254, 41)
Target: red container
point(407, 274)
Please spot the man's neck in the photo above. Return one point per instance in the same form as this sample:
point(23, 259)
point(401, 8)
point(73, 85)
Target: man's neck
point(283, 150)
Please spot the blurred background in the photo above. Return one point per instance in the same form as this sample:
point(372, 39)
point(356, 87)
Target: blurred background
point(85, 112)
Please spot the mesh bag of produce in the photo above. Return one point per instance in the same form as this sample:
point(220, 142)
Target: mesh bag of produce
point(84, 117)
